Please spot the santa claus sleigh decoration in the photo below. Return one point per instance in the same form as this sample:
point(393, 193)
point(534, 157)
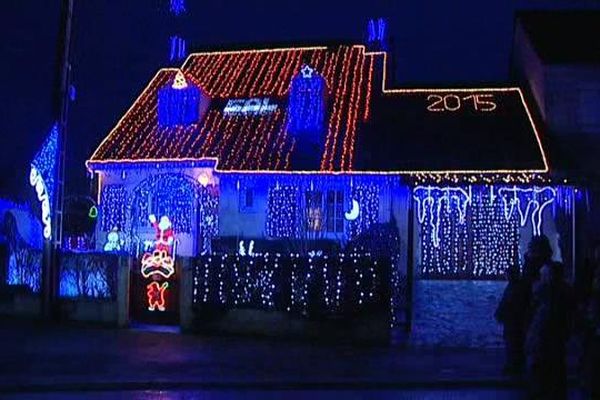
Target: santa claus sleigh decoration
point(159, 264)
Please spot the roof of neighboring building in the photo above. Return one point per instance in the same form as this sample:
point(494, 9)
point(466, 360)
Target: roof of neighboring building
point(369, 128)
point(564, 37)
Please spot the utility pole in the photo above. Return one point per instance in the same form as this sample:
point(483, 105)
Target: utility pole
point(50, 267)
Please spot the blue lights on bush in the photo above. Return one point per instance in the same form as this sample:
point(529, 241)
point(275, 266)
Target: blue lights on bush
point(25, 268)
point(307, 102)
point(177, 7)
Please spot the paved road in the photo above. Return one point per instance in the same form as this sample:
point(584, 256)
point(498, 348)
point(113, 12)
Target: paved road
point(67, 356)
point(462, 394)
point(75, 362)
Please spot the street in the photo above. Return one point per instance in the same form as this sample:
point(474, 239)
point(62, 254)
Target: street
point(416, 394)
point(42, 361)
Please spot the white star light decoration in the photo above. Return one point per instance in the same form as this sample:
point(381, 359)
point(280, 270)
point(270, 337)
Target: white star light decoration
point(306, 71)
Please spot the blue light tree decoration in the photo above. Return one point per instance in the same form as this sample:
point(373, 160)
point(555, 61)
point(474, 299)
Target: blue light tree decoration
point(376, 37)
point(178, 46)
point(42, 177)
point(179, 103)
point(307, 103)
point(177, 7)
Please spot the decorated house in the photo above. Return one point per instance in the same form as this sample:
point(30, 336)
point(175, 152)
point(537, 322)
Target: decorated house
point(309, 153)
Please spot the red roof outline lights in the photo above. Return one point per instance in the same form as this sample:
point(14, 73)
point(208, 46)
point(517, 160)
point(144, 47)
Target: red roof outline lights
point(338, 152)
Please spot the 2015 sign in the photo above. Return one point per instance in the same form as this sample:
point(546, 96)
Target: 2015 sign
point(254, 105)
point(481, 102)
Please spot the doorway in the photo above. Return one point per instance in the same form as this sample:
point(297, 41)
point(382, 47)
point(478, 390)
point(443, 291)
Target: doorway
point(153, 298)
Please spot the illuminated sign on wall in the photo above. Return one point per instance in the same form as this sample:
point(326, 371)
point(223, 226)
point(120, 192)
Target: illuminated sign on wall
point(255, 105)
point(480, 102)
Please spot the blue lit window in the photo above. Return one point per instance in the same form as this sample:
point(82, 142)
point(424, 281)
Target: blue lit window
point(335, 211)
point(325, 211)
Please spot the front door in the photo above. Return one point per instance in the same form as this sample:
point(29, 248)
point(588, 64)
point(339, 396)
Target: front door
point(154, 290)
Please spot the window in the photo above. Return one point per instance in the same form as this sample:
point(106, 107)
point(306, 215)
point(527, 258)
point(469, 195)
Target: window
point(325, 211)
point(314, 211)
point(246, 200)
point(335, 211)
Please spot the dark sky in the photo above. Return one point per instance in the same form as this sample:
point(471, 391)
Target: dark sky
point(119, 45)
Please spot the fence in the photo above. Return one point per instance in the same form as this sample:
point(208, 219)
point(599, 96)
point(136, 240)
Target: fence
point(311, 286)
point(88, 275)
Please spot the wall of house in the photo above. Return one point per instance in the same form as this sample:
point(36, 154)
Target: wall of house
point(131, 179)
point(235, 220)
point(460, 312)
point(456, 313)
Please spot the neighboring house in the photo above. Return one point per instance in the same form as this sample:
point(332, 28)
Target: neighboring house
point(557, 57)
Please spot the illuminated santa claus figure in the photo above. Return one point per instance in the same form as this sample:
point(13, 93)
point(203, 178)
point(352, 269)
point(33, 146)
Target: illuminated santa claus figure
point(156, 296)
point(164, 233)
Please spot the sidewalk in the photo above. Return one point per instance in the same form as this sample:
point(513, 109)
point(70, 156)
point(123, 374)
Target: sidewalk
point(39, 357)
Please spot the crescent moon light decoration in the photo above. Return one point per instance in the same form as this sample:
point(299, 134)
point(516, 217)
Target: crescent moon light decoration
point(354, 212)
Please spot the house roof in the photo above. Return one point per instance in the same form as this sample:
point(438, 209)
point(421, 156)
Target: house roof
point(564, 36)
point(468, 130)
point(369, 128)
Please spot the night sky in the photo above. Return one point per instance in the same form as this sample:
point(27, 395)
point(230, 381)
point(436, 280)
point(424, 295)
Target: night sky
point(119, 45)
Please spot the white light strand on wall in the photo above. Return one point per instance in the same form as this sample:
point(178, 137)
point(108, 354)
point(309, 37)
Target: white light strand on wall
point(431, 199)
point(529, 203)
